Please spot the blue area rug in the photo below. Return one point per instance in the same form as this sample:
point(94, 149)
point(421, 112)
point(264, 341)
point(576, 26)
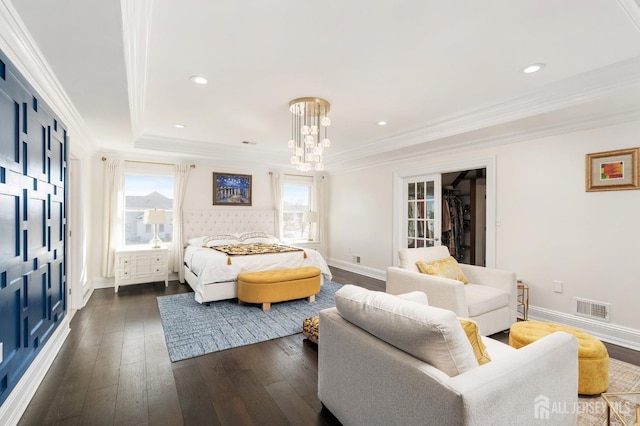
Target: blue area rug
point(192, 329)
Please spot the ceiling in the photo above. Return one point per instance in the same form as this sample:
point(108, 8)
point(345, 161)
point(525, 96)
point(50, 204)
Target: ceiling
point(442, 73)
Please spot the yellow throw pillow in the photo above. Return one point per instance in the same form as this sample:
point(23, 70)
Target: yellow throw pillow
point(479, 349)
point(446, 268)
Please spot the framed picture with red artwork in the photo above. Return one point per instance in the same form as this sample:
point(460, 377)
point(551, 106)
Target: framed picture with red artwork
point(612, 170)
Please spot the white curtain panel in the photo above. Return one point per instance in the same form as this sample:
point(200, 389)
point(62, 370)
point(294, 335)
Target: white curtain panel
point(276, 190)
point(321, 230)
point(181, 177)
point(113, 208)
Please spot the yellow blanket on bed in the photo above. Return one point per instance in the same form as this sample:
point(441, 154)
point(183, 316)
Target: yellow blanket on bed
point(256, 248)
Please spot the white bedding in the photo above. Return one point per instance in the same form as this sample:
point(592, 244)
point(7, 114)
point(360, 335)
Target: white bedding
point(216, 280)
point(211, 266)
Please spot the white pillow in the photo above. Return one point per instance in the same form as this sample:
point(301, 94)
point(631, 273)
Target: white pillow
point(431, 334)
point(220, 237)
point(267, 240)
point(256, 234)
point(221, 242)
point(198, 241)
point(415, 296)
point(408, 257)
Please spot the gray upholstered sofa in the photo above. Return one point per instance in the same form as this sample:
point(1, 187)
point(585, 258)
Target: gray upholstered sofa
point(385, 360)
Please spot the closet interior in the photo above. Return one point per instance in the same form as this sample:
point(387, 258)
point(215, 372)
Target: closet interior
point(464, 215)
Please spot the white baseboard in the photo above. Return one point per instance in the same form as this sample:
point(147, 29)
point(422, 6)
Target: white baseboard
point(103, 283)
point(15, 405)
point(110, 282)
point(87, 295)
point(358, 269)
point(610, 333)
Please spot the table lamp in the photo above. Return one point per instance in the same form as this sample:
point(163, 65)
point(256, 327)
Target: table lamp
point(155, 217)
point(310, 217)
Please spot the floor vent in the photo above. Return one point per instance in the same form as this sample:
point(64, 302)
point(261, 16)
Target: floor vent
point(592, 309)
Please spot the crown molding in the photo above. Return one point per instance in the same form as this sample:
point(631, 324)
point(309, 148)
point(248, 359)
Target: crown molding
point(429, 149)
point(435, 136)
point(578, 90)
point(136, 28)
point(16, 42)
point(240, 155)
point(631, 8)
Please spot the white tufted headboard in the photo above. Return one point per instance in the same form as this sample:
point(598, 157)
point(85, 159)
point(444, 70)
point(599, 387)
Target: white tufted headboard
point(197, 223)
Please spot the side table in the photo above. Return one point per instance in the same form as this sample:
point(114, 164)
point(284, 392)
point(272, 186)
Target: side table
point(625, 406)
point(141, 264)
point(523, 300)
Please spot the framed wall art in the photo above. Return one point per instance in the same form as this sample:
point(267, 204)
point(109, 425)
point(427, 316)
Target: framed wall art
point(231, 189)
point(612, 170)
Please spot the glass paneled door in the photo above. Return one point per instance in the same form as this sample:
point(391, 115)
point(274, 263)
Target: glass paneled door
point(422, 215)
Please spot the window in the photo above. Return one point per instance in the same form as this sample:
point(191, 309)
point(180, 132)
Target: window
point(296, 199)
point(420, 195)
point(144, 192)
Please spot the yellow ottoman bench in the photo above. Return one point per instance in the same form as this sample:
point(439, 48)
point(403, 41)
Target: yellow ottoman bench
point(593, 358)
point(279, 285)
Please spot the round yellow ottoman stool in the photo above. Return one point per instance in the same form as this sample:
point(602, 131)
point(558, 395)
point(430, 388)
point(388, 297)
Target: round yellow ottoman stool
point(593, 358)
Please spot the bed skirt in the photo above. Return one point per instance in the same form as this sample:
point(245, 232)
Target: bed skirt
point(211, 292)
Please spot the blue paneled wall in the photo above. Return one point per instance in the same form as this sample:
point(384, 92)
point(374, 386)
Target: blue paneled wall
point(33, 173)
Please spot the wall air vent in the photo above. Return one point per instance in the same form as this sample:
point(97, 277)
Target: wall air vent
point(590, 308)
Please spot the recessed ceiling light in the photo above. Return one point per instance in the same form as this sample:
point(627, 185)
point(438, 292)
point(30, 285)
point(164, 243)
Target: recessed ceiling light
point(533, 68)
point(198, 79)
point(180, 126)
point(381, 123)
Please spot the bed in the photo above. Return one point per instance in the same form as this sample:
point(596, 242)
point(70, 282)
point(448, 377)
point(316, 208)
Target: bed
point(212, 274)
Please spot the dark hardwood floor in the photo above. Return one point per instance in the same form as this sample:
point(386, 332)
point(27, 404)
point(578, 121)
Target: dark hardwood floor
point(114, 369)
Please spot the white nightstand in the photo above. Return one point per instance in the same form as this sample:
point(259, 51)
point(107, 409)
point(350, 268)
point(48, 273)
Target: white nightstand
point(315, 245)
point(138, 264)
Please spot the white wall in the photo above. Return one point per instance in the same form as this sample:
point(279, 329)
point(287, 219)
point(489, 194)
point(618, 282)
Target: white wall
point(200, 189)
point(360, 217)
point(96, 220)
point(550, 228)
point(199, 196)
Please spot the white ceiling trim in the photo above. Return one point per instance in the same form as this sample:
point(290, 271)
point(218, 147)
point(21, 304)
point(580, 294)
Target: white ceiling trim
point(21, 49)
point(577, 90)
point(583, 123)
point(582, 89)
point(573, 91)
point(136, 27)
point(431, 137)
point(631, 8)
point(229, 154)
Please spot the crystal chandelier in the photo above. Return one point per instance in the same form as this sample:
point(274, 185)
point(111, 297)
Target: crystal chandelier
point(309, 121)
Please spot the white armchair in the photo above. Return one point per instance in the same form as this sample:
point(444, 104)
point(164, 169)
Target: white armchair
point(489, 299)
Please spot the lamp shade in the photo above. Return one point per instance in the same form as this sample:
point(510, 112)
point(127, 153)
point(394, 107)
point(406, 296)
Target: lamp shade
point(155, 216)
point(310, 217)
